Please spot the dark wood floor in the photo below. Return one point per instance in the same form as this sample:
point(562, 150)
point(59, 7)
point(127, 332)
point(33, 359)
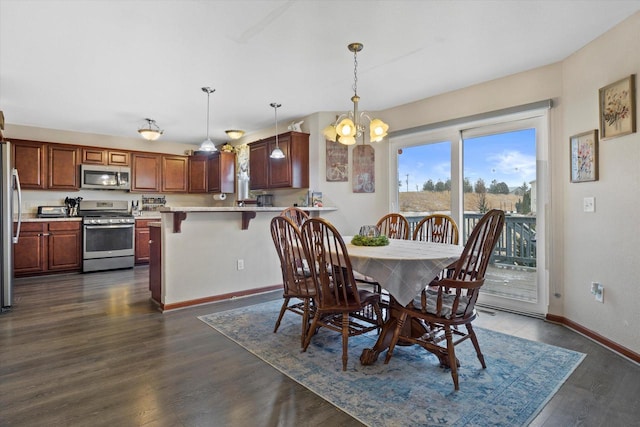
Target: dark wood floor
point(92, 350)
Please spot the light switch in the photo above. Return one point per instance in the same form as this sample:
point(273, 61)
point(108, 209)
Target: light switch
point(589, 204)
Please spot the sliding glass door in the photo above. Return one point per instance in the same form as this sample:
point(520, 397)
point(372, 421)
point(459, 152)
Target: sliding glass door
point(466, 170)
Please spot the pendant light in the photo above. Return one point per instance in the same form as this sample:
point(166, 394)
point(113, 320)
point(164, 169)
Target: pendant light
point(151, 132)
point(349, 127)
point(277, 153)
point(208, 145)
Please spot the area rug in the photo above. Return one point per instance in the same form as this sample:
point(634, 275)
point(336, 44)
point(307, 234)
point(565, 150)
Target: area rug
point(412, 390)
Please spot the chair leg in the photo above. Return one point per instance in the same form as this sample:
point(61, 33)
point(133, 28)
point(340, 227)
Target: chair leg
point(452, 356)
point(313, 326)
point(379, 316)
point(474, 340)
point(305, 321)
point(396, 335)
point(345, 340)
point(285, 304)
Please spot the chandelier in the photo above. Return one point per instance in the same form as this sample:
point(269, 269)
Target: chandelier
point(349, 126)
point(207, 144)
point(151, 132)
point(277, 152)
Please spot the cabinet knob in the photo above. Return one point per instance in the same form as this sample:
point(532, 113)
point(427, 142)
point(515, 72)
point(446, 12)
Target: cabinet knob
point(150, 241)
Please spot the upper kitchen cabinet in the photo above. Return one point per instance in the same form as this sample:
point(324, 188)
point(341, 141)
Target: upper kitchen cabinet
point(29, 158)
point(198, 175)
point(222, 173)
point(290, 172)
point(100, 156)
point(63, 167)
point(175, 174)
point(145, 171)
point(44, 166)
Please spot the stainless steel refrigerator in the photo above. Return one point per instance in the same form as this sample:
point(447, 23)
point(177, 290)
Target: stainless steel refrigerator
point(10, 189)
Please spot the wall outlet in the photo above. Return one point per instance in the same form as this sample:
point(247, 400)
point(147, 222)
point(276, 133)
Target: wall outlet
point(240, 264)
point(598, 291)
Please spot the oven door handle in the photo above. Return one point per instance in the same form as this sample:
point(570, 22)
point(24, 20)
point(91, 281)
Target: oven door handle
point(96, 227)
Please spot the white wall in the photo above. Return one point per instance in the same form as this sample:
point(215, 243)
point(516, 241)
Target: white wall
point(602, 246)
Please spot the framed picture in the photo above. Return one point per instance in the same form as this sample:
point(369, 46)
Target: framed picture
point(584, 156)
point(618, 108)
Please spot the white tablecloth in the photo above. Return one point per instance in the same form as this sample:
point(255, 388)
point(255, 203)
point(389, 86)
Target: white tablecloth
point(404, 267)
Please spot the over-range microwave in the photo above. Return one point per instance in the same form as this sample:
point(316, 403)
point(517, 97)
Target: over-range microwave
point(100, 177)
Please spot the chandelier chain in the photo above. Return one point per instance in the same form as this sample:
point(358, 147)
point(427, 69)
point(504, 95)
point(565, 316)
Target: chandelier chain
point(355, 73)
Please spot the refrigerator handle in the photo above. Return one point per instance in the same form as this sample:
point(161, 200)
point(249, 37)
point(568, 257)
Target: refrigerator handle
point(14, 172)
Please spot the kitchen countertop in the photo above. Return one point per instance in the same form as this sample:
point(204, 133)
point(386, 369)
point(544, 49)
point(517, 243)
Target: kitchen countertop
point(34, 218)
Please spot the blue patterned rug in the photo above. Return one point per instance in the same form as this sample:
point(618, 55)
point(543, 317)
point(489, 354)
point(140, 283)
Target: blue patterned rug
point(520, 378)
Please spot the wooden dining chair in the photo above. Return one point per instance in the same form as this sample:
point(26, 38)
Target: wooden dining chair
point(394, 226)
point(452, 303)
point(340, 305)
point(297, 215)
point(296, 276)
point(437, 228)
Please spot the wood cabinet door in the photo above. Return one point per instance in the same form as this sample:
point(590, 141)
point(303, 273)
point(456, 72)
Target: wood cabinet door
point(280, 169)
point(146, 172)
point(213, 173)
point(65, 246)
point(94, 156)
point(227, 172)
point(30, 253)
point(155, 264)
point(258, 165)
point(198, 174)
point(142, 245)
point(29, 158)
point(175, 174)
point(117, 158)
point(63, 168)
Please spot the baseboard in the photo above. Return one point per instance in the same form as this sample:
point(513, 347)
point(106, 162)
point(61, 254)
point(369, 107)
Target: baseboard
point(214, 298)
point(606, 342)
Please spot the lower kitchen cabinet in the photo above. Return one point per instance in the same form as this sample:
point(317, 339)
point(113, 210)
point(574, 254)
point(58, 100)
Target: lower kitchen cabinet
point(48, 247)
point(155, 264)
point(142, 240)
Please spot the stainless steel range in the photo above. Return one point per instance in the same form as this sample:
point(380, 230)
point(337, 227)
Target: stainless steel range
point(108, 237)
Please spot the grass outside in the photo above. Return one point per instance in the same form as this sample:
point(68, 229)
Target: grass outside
point(433, 201)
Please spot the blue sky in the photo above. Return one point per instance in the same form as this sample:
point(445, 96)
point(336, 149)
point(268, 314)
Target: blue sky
point(507, 157)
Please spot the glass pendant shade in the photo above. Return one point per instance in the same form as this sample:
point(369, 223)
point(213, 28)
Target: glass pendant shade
point(207, 145)
point(277, 153)
point(330, 133)
point(377, 130)
point(346, 128)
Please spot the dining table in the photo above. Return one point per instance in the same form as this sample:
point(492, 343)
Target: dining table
point(403, 268)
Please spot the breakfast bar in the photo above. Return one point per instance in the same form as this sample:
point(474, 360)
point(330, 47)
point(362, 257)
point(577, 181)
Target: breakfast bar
point(211, 253)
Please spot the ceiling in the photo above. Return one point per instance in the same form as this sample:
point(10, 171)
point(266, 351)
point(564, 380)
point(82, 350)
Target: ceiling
point(103, 66)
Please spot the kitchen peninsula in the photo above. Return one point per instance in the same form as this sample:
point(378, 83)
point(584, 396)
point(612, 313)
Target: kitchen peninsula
point(205, 254)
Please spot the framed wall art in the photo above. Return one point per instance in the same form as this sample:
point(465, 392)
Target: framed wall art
point(584, 156)
point(618, 108)
point(337, 161)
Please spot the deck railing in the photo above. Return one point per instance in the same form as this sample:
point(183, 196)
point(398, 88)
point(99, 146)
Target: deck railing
point(517, 244)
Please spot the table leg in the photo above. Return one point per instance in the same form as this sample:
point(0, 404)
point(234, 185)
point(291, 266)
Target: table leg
point(413, 328)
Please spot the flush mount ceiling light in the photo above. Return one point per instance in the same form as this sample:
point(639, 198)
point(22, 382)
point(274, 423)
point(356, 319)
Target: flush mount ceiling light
point(151, 132)
point(348, 126)
point(234, 133)
point(207, 144)
point(277, 153)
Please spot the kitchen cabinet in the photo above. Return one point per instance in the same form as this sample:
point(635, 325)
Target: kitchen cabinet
point(198, 176)
point(63, 167)
point(48, 247)
point(65, 246)
point(175, 174)
point(290, 172)
point(142, 240)
point(146, 172)
point(100, 156)
point(155, 264)
point(222, 173)
point(46, 166)
point(29, 158)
